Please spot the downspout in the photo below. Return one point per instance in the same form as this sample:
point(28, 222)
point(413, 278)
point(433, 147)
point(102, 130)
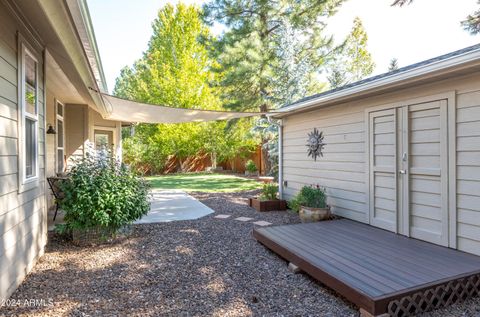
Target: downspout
point(279, 124)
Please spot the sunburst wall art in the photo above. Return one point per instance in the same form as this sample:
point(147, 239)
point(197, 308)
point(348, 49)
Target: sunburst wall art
point(315, 144)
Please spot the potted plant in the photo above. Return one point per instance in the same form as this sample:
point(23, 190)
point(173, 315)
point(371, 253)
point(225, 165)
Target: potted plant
point(268, 200)
point(251, 168)
point(311, 204)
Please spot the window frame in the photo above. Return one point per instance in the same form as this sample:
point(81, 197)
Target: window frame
point(27, 183)
point(57, 119)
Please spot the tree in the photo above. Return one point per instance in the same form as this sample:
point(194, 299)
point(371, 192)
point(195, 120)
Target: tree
point(175, 70)
point(353, 61)
point(359, 60)
point(337, 78)
point(248, 51)
point(393, 65)
point(257, 73)
point(470, 24)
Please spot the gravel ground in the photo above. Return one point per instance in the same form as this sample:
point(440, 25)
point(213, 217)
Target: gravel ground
point(204, 267)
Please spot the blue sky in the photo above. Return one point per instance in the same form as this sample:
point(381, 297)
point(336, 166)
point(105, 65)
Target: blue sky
point(425, 29)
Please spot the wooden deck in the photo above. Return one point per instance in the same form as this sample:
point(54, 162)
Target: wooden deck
point(377, 270)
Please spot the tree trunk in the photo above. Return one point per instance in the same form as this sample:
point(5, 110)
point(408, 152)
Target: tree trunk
point(265, 157)
point(180, 165)
point(213, 158)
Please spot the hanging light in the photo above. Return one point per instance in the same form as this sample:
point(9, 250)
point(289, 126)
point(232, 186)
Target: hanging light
point(51, 129)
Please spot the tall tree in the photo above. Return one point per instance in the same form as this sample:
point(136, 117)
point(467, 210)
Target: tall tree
point(359, 60)
point(176, 70)
point(393, 64)
point(353, 62)
point(470, 24)
point(267, 47)
point(250, 57)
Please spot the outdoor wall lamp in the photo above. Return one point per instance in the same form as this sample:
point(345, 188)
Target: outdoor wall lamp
point(51, 129)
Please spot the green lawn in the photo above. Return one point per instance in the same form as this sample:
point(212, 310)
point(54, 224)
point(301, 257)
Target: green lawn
point(220, 183)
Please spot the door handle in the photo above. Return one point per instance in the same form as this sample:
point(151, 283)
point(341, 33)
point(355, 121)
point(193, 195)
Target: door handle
point(402, 171)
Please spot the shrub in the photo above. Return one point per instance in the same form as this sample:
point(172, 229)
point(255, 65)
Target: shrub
point(250, 166)
point(102, 193)
point(269, 192)
point(309, 196)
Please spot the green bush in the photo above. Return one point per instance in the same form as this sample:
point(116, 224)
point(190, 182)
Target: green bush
point(102, 193)
point(250, 166)
point(269, 191)
point(309, 196)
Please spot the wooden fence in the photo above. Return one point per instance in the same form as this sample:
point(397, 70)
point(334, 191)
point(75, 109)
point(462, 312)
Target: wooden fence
point(200, 162)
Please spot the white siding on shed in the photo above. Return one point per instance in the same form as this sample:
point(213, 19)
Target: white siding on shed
point(468, 171)
point(342, 169)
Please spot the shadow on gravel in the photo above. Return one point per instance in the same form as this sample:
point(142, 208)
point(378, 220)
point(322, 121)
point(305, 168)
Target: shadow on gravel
point(204, 267)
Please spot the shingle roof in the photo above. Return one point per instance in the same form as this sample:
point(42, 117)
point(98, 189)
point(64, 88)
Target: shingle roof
point(389, 74)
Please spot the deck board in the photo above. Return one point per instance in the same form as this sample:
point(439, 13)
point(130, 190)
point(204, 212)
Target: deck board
point(367, 265)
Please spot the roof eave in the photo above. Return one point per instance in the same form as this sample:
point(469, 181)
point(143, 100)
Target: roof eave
point(72, 33)
point(83, 23)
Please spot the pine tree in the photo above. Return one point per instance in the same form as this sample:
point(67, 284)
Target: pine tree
point(359, 60)
point(336, 78)
point(256, 72)
point(249, 51)
point(353, 61)
point(393, 65)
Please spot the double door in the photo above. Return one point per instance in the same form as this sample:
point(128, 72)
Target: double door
point(408, 170)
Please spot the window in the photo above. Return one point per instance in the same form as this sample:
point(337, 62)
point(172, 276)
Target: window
point(59, 122)
point(28, 115)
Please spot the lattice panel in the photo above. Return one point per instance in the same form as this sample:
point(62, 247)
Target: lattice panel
point(437, 297)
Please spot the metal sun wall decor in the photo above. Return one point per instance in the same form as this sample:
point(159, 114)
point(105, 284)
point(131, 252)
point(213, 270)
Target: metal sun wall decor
point(315, 144)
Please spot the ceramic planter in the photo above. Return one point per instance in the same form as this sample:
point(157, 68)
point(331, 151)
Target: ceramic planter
point(310, 214)
point(267, 205)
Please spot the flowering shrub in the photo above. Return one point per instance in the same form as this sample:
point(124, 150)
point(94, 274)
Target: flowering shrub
point(101, 192)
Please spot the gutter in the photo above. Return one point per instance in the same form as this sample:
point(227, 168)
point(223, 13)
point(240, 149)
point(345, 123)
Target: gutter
point(428, 71)
point(279, 124)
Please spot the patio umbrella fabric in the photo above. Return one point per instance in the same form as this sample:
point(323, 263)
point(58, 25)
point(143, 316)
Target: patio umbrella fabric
point(132, 111)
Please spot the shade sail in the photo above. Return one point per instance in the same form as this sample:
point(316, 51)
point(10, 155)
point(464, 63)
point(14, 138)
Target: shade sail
point(132, 111)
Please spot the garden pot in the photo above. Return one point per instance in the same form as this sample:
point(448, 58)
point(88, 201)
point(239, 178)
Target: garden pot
point(268, 205)
point(310, 214)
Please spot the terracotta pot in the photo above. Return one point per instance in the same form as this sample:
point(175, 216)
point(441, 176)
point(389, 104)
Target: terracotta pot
point(310, 214)
point(268, 205)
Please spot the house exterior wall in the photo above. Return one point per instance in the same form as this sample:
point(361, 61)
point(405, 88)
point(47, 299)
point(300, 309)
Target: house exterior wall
point(22, 212)
point(344, 165)
point(76, 133)
point(97, 122)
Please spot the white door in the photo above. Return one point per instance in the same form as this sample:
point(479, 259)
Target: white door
point(409, 171)
point(426, 178)
point(383, 170)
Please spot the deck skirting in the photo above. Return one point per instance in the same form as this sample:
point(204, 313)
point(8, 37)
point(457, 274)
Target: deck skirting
point(379, 271)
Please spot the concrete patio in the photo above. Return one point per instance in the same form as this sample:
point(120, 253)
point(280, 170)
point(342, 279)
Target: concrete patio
point(173, 205)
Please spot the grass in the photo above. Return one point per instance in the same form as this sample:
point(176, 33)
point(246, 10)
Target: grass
point(212, 183)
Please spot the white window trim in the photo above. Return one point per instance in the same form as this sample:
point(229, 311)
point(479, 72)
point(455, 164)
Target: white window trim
point(25, 183)
point(57, 119)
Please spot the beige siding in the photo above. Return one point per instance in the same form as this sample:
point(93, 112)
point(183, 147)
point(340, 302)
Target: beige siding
point(76, 119)
point(22, 214)
point(50, 146)
point(468, 171)
point(342, 169)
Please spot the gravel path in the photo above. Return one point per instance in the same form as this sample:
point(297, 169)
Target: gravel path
point(204, 267)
